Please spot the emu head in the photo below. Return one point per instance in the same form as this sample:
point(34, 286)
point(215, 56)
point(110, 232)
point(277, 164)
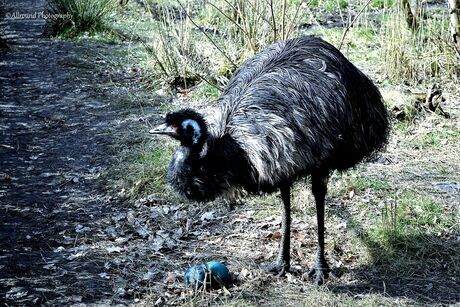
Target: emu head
point(190, 172)
point(187, 126)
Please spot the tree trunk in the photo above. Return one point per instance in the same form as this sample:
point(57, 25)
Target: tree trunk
point(410, 18)
point(455, 24)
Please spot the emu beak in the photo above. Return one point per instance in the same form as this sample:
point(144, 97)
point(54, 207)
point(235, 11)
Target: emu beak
point(164, 129)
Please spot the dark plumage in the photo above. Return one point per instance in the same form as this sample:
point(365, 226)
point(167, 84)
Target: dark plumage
point(297, 108)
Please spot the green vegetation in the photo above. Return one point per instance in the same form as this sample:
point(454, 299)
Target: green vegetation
point(143, 168)
point(190, 43)
point(380, 4)
point(332, 5)
point(174, 55)
point(406, 226)
point(363, 183)
point(421, 55)
point(205, 92)
point(154, 164)
point(436, 138)
point(79, 16)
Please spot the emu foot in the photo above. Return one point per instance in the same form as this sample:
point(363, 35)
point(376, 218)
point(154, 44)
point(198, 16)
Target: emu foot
point(319, 272)
point(279, 267)
point(319, 275)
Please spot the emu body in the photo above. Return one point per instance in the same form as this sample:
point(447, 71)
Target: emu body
point(297, 108)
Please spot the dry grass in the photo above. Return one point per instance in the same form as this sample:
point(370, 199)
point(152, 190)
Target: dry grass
point(418, 56)
point(208, 41)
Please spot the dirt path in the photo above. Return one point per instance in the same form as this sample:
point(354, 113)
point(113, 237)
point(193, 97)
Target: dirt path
point(53, 146)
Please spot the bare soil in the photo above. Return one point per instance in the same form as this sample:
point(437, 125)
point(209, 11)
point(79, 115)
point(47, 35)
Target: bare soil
point(57, 126)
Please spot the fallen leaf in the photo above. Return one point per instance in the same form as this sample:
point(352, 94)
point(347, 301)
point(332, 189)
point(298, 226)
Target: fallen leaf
point(351, 193)
point(150, 274)
point(351, 258)
point(142, 231)
point(75, 256)
point(157, 244)
point(121, 240)
point(244, 273)
point(274, 236)
point(58, 249)
point(119, 217)
point(207, 216)
point(113, 249)
point(121, 292)
point(170, 278)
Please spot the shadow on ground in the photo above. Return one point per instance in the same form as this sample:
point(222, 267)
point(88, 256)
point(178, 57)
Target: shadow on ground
point(424, 268)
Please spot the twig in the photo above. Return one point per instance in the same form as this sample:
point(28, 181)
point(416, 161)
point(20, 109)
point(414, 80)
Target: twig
point(257, 10)
point(43, 258)
point(283, 20)
point(234, 21)
point(208, 82)
point(228, 17)
point(205, 34)
point(353, 21)
point(75, 242)
point(340, 12)
point(7, 146)
point(273, 20)
point(291, 26)
point(241, 10)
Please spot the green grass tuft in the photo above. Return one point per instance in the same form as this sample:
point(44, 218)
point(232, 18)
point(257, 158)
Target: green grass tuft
point(409, 216)
point(206, 92)
point(152, 169)
point(142, 169)
point(363, 183)
point(436, 138)
point(80, 16)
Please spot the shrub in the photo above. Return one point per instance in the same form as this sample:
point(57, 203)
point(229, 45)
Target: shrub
point(209, 40)
point(421, 55)
point(83, 16)
point(176, 55)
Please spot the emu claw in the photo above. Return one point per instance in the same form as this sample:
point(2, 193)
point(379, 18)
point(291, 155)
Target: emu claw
point(277, 267)
point(319, 275)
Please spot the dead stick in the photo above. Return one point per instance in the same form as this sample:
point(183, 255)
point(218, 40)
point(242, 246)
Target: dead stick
point(351, 24)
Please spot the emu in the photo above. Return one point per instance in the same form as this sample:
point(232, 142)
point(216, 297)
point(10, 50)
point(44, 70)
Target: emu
point(298, 108)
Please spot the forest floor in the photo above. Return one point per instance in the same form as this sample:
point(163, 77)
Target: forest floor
point(74, 116)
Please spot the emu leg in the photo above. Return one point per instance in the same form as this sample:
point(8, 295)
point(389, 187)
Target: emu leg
point(320, 270)
point(282, 263)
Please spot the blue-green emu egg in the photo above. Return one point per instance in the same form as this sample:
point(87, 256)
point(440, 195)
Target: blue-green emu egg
point(213, 274)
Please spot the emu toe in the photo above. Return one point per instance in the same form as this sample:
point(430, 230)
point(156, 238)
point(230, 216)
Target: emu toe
point(277, 267)
point(318, 275)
